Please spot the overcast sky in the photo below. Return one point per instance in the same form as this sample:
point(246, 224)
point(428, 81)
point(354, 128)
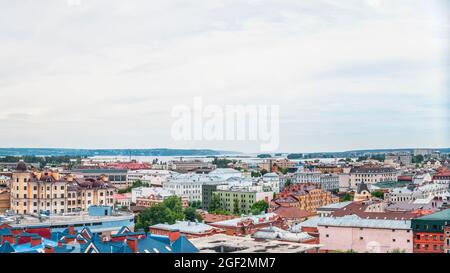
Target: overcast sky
point(347, 74)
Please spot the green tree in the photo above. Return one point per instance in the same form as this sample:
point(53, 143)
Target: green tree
point(173, 203)
point(294, 156)
point(288, 182)
point(283, 170)
point(347, 197)
point(154, 215)
point(214, 203)
point(378, 194)
point(259, 207)
point(190, 214)
point(418, 159)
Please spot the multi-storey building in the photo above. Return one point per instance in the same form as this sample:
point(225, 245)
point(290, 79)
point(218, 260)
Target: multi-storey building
point(190, 185)
point(447, 239)
point(34, 192)
point(305, 196)
point(443, 177)
point(371, 175)
point(425, 191)
point(151, 200)
point(351, 232)
point(150, 177)
point(400, 158)
point(328, 182)
point(117, 177)
point(4, 199)
point(239, 199)
point(429, 235)
point(4, 180)
point(189, 165)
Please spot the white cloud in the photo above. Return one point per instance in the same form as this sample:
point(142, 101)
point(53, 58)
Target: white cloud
point(107, 73)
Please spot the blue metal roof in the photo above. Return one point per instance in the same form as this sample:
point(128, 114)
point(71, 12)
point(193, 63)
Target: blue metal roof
point(183, 245)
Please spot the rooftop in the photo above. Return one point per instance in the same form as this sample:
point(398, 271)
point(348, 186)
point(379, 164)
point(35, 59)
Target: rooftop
point(186, 227)
point(56, 220)
point(443, 215)
point(335, 206)
point(255, 218)
point(221, 243)
point(355, 221)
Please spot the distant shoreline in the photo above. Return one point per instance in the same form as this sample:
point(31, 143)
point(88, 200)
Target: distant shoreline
point(178, 152)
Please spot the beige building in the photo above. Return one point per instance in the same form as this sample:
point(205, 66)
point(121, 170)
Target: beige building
point(371, 175)
point(34, 192)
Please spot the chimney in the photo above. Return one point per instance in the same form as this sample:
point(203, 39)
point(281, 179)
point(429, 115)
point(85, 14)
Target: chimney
point(49, 249)
point(71, 230)
point(35, 240)
point(133, 244)
point(174, 234)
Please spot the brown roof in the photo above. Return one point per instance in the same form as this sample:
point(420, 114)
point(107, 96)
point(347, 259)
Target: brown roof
point(358, 208)
point(211, 218)
point(292, 213)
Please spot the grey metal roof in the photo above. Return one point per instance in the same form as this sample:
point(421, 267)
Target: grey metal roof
point(355, 221)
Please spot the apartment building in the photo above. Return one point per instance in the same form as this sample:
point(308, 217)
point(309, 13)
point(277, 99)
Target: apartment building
point(429, 235)
point(34, 192)
point(305, 196)
point(351, 232)
point(328, 182)
point(371, 175)
point(240, 199)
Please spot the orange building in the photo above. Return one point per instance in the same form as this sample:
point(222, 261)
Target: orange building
point(305, 196)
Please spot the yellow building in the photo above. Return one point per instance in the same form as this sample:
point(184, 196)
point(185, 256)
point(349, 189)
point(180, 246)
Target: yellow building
point(34, 192)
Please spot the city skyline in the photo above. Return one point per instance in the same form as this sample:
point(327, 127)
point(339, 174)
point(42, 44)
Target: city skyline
point(106, 74)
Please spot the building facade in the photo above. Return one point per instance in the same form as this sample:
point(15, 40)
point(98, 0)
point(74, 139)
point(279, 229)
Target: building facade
point(365, 235)
point(305, 196)
point(35, 192)
point(429, 235)
point(328, 182)
point(371, 175)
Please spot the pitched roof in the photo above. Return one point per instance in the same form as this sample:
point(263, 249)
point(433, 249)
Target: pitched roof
point(6, 248)
point(183, 245)
point(292, 212)
point(443, 215)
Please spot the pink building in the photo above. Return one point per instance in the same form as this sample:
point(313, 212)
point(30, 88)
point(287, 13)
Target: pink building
point(351, 232)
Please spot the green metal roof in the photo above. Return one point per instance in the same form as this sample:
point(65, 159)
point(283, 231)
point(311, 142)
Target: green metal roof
point(438, 216)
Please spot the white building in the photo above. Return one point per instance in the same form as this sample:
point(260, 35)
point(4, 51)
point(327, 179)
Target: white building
point(225, 173)
point(272, 180)
point(371, 175)
point(328, 182)
point(151, 177)
point(147, 191)
point(189, 185)
point(420, 179)
point(422, 192)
